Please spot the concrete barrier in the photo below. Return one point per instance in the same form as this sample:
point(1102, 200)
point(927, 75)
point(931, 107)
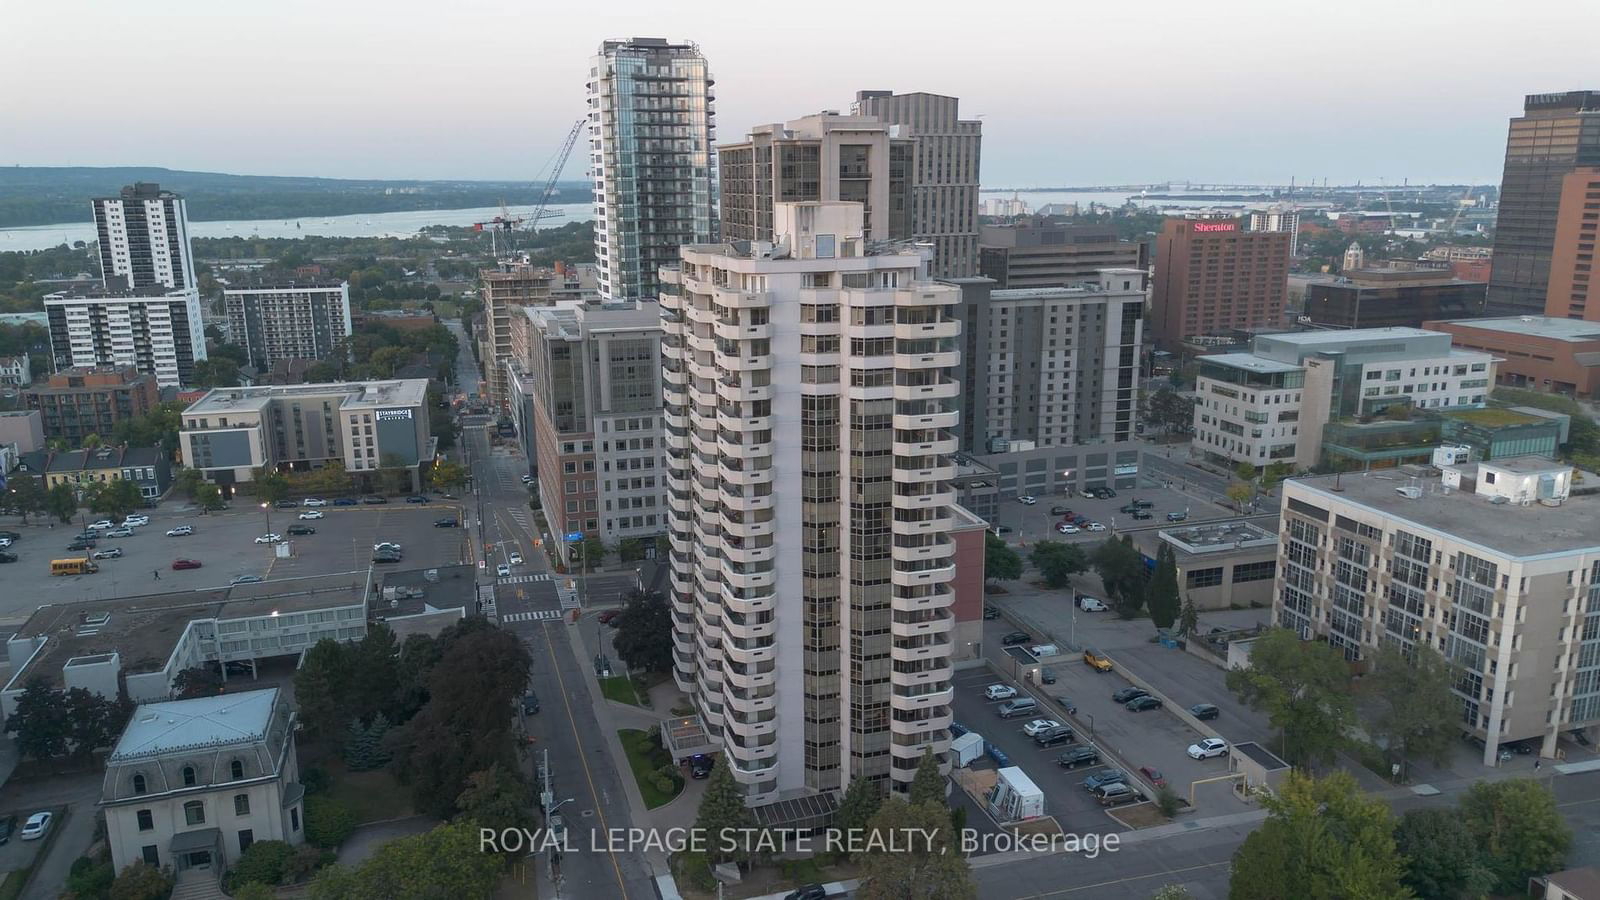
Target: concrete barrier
point(1166, 702)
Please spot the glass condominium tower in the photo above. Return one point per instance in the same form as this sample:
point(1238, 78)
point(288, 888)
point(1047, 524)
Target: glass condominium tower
point(651, 127)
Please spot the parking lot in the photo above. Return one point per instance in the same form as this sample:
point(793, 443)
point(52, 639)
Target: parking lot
point(1037, 521)
point(1155, 738)
point(224, 544)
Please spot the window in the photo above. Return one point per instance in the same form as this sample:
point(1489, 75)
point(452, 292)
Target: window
point(139, 785)
point(236, 768)
point(189, 776)
point(146, 820)
point(152, 856)
point(194, 812)
point(294, 818)
point(1202, 578)
point(241, 805)
point(247, 837)
point(1256, 571)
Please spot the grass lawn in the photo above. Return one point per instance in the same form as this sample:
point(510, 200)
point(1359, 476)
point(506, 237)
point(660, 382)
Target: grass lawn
point(644, 759)
point(620, 689)
point(373, 796)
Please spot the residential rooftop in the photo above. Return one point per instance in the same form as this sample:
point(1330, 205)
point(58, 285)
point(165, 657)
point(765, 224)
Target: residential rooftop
point(1250, 362)
point(356, 395)
point(1510, 529)
point(204, 722)
point(1549, 327)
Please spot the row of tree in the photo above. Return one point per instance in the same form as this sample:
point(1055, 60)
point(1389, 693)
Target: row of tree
point(27, 496)
point(51, 724)
point(1324, 838)
point(1131, 586)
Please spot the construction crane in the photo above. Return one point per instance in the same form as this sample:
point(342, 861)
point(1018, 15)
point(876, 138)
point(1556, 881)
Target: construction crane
point(505, 222)
point(542, 210)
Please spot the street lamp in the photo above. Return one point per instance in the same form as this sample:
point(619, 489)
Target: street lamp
point(266, 515)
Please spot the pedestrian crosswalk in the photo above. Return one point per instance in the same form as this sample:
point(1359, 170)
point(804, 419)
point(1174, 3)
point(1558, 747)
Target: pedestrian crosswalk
point(524, 579)
point(521, 517)
point(541, 615)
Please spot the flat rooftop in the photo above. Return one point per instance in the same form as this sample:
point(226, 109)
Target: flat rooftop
point(1525, 532)
point(1217, 536)
point(182, 725)
point(1318, 338)
point(352, 394)
point(1249, 362)
point(144, 630)
point(442, 587)
point(1548, 327)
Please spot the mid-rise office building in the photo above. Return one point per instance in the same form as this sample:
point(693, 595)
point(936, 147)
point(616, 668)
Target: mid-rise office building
point(809, 408)
point(1391, 298)
point(1556, 134)
point(1538, 353)
point(1212, 277)
point(592, 418)
point(1573, 293)
point(1050, 366)
point(144, 239)
point(821, 157)
point(77, 402)
point(156, 330)
point(288, 320)
point(652, 124)
point(1274, 403)
point(364, 426)
point(944, 173)
point(1495, 565)
point(1036, 255)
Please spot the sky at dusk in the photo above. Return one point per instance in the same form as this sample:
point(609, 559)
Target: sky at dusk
point(1071, 93)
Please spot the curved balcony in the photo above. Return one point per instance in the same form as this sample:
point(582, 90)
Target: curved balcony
point(936, 550)
point(939, 447)
point(944, 328)
point(752, 655)
point(942, 360)
point(739, 299)
point(750, 681)
point(933, 651)
point(757, 473)
point(747, 605)
point(679, 502)
point(749, 705)
point(937, 676)
point(747, 529)
point(937, 575)
point(669, 275)
point(941, 598)
point(927, 294)
point(749, 581)
point(941, 623)
point(939, 697)
point(747, 554)
point(749, 631)
point(913, 749)
point(922, 476)
point(939, 718)
point(731, 363)
point(736, 392)
point(757, 764)
point(733, 331)
point(851, 330)
point(704, 370)
point(945, 419)
point(939, 390)
point(924, 501)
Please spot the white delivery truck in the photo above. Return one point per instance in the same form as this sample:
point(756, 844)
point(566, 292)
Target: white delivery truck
point(1015, 797)
point(1040, 651)
point(965, 749)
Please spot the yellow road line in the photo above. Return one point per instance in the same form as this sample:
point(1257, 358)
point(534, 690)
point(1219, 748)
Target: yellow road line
point(544, 630)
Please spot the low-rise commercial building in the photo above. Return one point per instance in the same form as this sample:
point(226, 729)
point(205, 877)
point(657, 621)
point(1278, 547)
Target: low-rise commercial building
point(191, 784)
point(363, 425)
point(1538, 353)
point(1036, 255)
point(77, 402)
point(1221, 565)
point(1496, 565)
point(1392, 297)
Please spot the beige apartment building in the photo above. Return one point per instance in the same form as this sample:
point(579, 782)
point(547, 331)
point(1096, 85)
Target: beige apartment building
point(1495, 564)
point(809, 416)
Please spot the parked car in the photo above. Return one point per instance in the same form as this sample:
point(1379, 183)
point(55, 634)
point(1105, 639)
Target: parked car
point(516, 559)
point(1080, 521)
point(530, 703)
point(1017, 706)
point(374, 500)
point(37, 825)
point(1066, 528)
point(311, 514)
point(1038, 725)
point(247, 579)
point(808, 892)
point(1027, 500)
point(1067, 704)
point(1143, 504)
point(700, 766)
point(270, 537)
point(607, 616)
point(1128, 508)
point(1177, 516)
point(345, 501)
point(287, 504)
point(1096, 660)
point(1204, 711)
point(1121, 792)
point(1128, 693)
point(1015, 638)
point(990, 612)
point(1050, 737)
point(120, 532)
point(8, 557)
point(999, 692)
point(387, 545)
point(313, 501)
point(502, 571)
point(7, 826)
point(1208, 748)
point(445, 523)
point(80, 545)
point(178, 564)
point(1153, 775)
point(102, 525)
point(416, 498)
point(1090, 604)
point(1096, 526)
point(1060, 511)
point(11, 535)
point(1140, 704)
point(1104, 777)
point(386, 556)
point(1047, 676)
point(1142, 514)
point(180, 531)
point(108, 553)
point(1079, 755)
point(135, 520)
point(302, 529)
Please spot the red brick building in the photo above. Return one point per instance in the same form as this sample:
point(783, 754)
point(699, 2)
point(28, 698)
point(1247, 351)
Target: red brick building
point(81, 401)
point(1214, 277)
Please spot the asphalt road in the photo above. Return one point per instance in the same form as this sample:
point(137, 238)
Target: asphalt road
point(527, 604)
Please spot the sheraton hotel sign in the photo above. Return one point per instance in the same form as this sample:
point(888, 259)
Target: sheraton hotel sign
point(1215, 226)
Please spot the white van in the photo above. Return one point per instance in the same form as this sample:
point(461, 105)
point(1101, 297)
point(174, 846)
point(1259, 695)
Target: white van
point(1090, 604)
point(1040, 651)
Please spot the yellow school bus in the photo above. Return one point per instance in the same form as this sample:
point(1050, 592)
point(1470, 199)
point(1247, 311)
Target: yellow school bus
point(78, 566)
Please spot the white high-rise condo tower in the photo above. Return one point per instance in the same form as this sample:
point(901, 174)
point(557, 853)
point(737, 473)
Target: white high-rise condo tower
point(144, 239)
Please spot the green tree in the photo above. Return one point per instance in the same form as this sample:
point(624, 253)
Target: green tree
point(630, 549)
point(448, 475)
point(90, 878)
point(1441, 855)
point(328, 821)
point(208, 497)
point(27, 496)
point(62, 502)
point(644, 632)
point(1171, 411)
point(722, 807)
point(90, 441)
point(40, 722)
point(320, 688)
point(116, 499)
point(1244, 472)
point(1302, 686)
point(1121, 569)
point(1058, 562)
point(1415, 711)
point(1518, 829)
point(1323, 840)
point(364, 747)
point(197, 681)
point(591, 552)
point(1162, 593)
point(187, 481)
point(254, 890)
point(375, 667)
point(216, 372)
point(927, 786)
point(141, 882)
point(1240, 493)
point(263, 862)
point(93, 721)
point(1188, 617)
point(1000, 562)
point(497, 798)
point(444, 862)
point(1275, 473)
point(270, 485)
point(856, 809)
point(899, 866)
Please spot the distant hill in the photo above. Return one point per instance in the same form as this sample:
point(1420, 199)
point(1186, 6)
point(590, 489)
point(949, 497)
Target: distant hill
point(43, 195)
